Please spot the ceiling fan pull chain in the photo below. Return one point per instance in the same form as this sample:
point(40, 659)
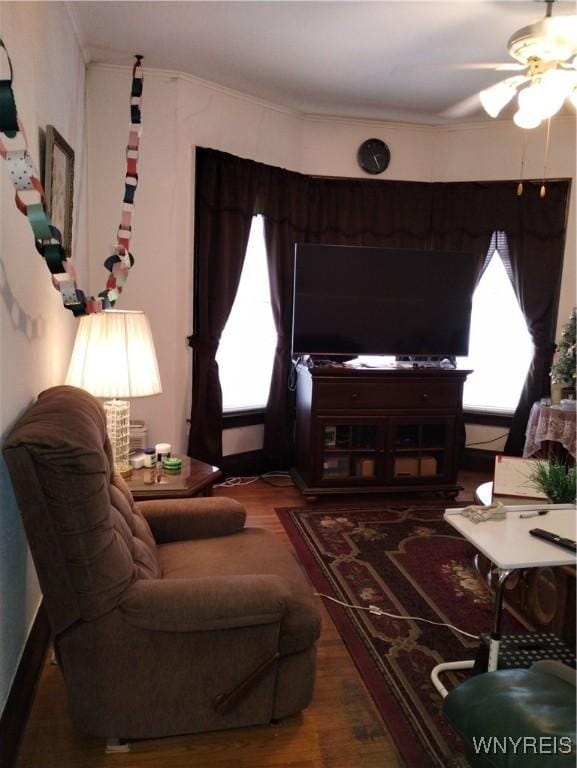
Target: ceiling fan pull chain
point(522, 173)
point(543, 190)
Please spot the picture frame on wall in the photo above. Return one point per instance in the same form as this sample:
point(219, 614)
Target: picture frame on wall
point(59, 184)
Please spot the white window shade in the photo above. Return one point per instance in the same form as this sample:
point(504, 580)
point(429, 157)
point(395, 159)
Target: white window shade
point(500, 346)
point(246, 350)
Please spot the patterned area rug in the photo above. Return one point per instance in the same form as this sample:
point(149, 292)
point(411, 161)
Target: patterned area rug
point(406, 560)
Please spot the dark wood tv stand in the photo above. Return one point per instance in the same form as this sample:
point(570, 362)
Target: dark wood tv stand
point(378, 430)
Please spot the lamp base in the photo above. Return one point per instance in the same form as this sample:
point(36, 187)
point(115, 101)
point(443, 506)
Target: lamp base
point(118, 428)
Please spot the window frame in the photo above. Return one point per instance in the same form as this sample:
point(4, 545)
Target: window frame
point(487, 418)
point(243, 418)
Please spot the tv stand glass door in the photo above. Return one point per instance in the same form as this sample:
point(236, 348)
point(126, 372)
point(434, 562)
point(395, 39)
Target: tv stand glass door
point(420, 449)
point(352, 450)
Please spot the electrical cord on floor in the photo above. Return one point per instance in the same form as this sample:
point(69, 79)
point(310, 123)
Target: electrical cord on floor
point(234, 482)
point(281, 475)
point(376, 611)
point(485, 442)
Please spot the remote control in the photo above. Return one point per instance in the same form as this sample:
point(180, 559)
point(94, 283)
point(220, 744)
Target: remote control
point(554, 538)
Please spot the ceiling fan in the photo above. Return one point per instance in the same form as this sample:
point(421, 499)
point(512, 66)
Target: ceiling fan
point(546, 60)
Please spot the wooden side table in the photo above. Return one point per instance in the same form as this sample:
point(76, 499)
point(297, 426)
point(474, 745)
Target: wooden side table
point(195, 479)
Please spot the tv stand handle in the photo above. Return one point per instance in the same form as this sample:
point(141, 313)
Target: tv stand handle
point(425, 395)
point(355, 396)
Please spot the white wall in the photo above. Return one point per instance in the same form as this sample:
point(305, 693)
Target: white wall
point(36, 332)
point(181, 112)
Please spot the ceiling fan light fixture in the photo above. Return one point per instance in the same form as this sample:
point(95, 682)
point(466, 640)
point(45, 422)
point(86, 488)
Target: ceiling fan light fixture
point(556, 86)
point(525, 119)
point(497, 96)
point(544, 97)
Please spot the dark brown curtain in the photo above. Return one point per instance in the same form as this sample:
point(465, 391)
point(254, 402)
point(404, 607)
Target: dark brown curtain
point(226, 190)
point(465, 219)
point(533, 254)
point(394, 214)
point(284, 207)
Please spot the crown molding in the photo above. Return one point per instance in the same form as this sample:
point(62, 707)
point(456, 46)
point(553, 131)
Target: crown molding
point(209, 84)
point(491, 123)
point(72, 13)
point(315, 117)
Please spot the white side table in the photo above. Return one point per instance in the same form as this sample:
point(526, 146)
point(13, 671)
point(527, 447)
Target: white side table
point(509, 545)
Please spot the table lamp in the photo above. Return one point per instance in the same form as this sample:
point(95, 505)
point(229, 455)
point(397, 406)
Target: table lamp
point(114, 357)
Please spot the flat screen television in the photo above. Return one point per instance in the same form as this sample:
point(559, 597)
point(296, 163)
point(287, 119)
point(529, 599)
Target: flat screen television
point(351, 300)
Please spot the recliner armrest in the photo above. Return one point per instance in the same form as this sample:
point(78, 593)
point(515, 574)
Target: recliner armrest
point(199, 605)
point(197, 518)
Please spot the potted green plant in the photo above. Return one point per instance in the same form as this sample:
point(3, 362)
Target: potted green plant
point(556, 480)
point(563, 369)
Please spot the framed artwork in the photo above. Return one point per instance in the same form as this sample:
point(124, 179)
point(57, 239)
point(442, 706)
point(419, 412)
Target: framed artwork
point(59, 184)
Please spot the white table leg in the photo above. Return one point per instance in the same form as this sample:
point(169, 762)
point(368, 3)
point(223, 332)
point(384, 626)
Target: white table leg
point(446, 666)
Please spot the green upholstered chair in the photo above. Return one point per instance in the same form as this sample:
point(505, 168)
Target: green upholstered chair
point(513, 718)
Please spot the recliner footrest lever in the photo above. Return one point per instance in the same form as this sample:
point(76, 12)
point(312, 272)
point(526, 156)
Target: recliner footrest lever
point(224, 702)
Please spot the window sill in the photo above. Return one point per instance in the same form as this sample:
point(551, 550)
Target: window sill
point(243, 418)
point(495, 418)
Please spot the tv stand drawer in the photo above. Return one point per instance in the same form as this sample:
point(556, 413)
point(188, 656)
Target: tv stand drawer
point(374, 395)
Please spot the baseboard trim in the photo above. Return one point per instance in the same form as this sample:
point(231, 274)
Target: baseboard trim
point(17, 709)
point(478, 460)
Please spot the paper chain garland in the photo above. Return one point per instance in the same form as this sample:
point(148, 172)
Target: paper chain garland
point(30, 200)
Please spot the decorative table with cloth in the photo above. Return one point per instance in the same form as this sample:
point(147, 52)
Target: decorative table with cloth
point(549, 423)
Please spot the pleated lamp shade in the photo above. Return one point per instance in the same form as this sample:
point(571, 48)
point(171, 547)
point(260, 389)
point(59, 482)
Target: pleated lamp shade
point(114, 357)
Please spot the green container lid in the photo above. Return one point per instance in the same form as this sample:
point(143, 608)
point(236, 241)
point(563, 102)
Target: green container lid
point(172, 463)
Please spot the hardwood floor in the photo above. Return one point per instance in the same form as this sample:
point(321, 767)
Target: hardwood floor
point(340, 729)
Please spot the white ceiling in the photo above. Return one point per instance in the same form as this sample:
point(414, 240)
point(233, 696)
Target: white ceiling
point(382, 60)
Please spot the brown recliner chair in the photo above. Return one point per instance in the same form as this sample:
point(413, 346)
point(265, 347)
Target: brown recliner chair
point(167, 616)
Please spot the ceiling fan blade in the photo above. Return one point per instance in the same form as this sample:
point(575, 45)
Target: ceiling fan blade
point(463, 108)
point(497, 67)
point(505, 88)
point(512, 67)
point(448, 66)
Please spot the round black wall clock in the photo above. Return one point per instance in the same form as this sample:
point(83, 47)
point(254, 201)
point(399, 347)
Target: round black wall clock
point(374, 156)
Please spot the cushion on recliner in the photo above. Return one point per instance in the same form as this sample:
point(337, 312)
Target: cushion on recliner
point(141, 542)
point(254, 551)
point(198, 518)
